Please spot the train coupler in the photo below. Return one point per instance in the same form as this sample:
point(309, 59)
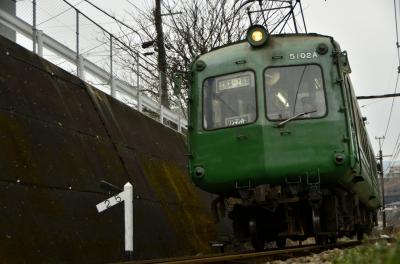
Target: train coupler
point(314, 192)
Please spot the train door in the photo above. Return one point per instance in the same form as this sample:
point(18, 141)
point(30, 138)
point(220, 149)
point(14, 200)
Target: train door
point(231, 140)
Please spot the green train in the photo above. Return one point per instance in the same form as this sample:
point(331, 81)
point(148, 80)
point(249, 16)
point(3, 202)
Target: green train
point(275, 130)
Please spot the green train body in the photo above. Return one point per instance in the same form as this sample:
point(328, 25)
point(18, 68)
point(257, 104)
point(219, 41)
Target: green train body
point(240, 137)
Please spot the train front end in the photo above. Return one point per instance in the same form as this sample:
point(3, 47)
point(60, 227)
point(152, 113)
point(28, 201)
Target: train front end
point(268, 114)
point(276, 132)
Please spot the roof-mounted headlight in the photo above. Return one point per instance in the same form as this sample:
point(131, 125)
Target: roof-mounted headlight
point(257, 35)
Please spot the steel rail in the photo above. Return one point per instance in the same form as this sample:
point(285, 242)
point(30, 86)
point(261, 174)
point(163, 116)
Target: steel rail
point(279, 253)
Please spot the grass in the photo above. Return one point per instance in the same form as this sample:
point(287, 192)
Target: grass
point(379, 253)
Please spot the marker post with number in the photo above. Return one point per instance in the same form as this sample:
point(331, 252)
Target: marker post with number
point(125, 196)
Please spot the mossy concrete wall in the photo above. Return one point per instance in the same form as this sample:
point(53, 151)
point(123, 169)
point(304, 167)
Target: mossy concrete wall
point(59, 138)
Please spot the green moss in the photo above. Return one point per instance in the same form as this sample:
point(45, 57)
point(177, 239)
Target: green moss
point(180, 202)
point(382, 253)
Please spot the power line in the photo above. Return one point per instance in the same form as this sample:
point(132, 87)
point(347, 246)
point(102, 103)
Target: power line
point(106, 31)
point(397, 31)
point(378, 96)
point(111, 16)
point(86, 24)
point(137, 8)
point(57, 15)
point(395, 153)
point(398, 70)
point(65, 26)
point(374, 102)
point(396, 150)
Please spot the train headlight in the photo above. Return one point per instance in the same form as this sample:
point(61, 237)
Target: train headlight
point(199, 172)
point(257, 35)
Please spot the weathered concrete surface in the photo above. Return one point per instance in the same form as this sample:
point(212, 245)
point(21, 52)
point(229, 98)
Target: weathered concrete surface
point(59, 138)
point(10, 7)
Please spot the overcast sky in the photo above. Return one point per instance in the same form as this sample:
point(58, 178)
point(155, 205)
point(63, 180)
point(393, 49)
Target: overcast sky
point(366, 29)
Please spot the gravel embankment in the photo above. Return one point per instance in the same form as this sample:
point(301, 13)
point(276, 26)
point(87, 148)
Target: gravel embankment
point(325, 257)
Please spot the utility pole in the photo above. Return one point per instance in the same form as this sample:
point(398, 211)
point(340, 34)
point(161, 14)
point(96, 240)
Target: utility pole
point(382, 182)
point(161, 57)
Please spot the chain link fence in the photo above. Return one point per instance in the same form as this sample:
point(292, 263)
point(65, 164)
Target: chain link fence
point(80, 44)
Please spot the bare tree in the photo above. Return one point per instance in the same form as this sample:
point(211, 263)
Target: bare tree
point(191, 28)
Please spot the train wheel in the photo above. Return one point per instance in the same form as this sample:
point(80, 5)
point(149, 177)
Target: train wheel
point(281, 242)
point(360, 234)
point(321, 240)
point(333, 239)
point(316, 220)
point(257, 238)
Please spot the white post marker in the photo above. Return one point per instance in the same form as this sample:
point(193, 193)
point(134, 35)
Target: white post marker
point(127, 196)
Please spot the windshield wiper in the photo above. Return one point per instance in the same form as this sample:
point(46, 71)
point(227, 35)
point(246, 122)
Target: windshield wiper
point(281, 124)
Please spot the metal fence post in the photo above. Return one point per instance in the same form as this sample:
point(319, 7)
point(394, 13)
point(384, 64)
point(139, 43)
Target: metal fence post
point(81, 67)
point(34, 25)
point(77, 42)
point(162, 114)
point(39, 36)
point(113, 89)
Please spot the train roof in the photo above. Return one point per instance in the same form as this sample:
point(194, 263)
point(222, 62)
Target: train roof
point(275, 36)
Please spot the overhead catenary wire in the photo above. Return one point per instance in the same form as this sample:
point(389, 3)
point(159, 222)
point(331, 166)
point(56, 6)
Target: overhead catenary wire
point(391, 108)
point(111, 16)
point(396, 148)
point(397, 32)
point(398, 72)
point(137, 8)
point(82, 24)
point(377, 101)
point(395, 153)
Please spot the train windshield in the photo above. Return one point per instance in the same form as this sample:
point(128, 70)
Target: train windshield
point(229, 100)
point(292, 90)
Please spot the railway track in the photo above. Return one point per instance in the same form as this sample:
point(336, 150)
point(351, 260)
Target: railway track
point(259, 257)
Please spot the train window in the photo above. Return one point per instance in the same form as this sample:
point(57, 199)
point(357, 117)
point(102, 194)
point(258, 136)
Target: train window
point(292, 90)
point(229, 100)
